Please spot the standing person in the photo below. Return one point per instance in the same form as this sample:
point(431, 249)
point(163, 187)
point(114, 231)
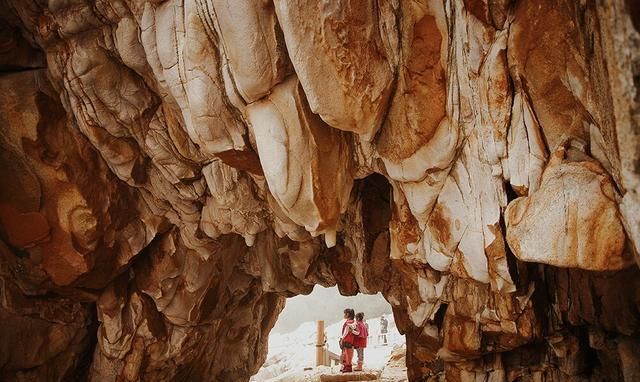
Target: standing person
point(383, 329)
point(360, 341)
point(349, 332)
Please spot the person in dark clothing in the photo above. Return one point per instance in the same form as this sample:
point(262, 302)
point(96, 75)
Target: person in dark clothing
point(383, 330)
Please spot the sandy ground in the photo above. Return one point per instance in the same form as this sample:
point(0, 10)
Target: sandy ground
point(393, 371)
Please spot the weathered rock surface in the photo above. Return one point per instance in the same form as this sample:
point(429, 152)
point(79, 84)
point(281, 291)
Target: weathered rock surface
point(338, 51)
point(571, 221)
point(171, 171)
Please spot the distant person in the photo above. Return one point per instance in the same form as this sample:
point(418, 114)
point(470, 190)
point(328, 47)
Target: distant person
point(384, 324)
point(360, 342)
point(347, 337)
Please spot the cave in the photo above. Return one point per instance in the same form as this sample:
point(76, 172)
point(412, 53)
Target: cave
point(171, 171)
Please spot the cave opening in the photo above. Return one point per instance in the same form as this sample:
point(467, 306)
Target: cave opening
point(293, 341)
point(360, 271)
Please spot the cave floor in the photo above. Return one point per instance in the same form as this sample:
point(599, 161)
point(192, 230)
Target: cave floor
point(393, 371)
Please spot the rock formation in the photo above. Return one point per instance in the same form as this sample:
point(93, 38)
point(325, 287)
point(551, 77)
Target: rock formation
point(172, 170)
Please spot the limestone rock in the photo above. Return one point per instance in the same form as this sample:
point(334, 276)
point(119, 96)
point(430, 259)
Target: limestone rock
point(253, 46)
point(231, 207)
point(172, 170)
point(296, 148)
point(338, 53)
point(571, 221)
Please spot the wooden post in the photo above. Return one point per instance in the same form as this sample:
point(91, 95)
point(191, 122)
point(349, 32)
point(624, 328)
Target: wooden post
point(320, 344)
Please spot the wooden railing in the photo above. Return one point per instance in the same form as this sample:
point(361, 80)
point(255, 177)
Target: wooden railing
point(324, 357)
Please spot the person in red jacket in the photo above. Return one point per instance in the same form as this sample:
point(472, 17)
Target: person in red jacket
point(360, 341)
point(347, 337)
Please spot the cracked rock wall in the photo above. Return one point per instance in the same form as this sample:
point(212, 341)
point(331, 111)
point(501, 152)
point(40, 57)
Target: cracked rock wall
point(172, 170)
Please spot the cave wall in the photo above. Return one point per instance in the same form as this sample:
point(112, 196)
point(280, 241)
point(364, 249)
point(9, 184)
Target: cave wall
point(172, 170)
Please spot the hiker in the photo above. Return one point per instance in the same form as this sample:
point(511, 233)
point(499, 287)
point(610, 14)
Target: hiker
point(360, 341)
point(383, 330)
point(347, 337)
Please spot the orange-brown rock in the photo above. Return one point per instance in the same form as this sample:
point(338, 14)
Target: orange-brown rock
point(338, 52)
point(572, 220)
point(171, 171)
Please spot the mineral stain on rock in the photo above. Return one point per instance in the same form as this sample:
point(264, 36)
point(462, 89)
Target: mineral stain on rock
point(171, 171)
